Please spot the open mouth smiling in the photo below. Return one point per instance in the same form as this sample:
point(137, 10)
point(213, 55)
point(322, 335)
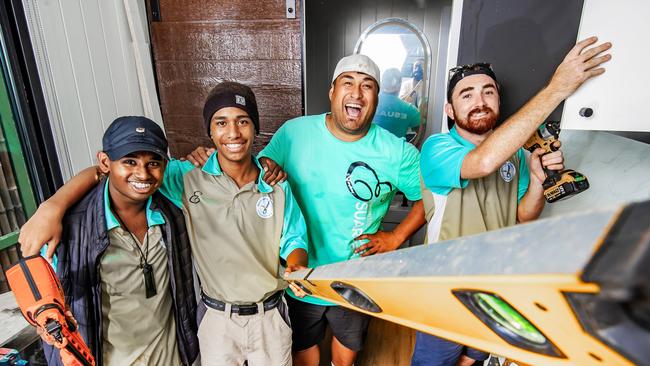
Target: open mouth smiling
point(140, 187)
point(353, 110)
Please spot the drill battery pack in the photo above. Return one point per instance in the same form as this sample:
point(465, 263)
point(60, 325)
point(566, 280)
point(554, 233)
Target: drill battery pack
point(564, 184)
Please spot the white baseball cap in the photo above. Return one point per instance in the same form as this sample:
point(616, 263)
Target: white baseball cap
point(357, 63)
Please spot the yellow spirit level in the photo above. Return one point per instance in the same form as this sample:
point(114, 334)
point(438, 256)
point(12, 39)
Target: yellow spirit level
point(572, 290)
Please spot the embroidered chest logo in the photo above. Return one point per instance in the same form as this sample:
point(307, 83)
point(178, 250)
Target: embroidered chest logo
point(363, 182)
point(264, 207)
point(507, 171)
point(195, 197)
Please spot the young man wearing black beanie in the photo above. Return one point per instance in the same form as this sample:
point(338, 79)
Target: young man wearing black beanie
point(241, 229)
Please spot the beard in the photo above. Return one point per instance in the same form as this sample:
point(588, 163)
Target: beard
point(479, 126)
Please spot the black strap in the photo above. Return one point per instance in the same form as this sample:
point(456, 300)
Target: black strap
point(271, 302)
point(147, 268)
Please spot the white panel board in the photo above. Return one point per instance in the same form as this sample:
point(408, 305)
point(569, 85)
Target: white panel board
point(94, 66)
point(618, 170)
point(619, 97)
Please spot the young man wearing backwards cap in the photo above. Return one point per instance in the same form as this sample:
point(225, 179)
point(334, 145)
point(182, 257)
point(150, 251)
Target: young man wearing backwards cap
point(476, 177)
point(125, 264)
point(240, 230)
point(345, 171)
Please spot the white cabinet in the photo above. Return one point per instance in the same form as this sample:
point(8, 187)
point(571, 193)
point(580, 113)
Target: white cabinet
point(618, 99)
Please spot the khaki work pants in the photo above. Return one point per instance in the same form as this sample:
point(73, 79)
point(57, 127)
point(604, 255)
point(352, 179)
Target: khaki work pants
point(262, 339)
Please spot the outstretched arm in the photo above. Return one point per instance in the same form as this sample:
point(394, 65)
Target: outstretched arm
point(44, 227)
point(579, 65)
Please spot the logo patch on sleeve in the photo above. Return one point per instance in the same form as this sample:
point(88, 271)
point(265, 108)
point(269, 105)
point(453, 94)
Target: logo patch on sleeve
point(264, 207)
point(507, 171)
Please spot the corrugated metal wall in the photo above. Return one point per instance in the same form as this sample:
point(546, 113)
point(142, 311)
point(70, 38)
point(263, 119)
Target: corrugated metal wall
point(94, 62)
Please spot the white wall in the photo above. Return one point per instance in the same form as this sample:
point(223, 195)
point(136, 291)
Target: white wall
point(94, 63)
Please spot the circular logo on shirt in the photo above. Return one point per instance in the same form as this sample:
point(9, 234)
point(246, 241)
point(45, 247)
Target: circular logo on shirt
point(507, 171)
point(264, 207)
point(363, 182)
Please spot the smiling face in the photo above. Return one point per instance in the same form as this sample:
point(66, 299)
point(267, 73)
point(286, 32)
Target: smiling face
point(134, 177)
point(474, 104)
point(232, 132)
point(353, 101)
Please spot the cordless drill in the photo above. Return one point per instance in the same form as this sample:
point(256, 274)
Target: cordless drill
point(558, 184)
point(40, 297)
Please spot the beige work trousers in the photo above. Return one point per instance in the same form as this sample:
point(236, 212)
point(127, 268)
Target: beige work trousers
point(262, 339)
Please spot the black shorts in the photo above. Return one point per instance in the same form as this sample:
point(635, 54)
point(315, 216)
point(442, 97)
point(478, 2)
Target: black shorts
point(309, 322)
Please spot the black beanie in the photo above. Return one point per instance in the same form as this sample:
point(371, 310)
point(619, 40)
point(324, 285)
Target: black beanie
point(231, 94)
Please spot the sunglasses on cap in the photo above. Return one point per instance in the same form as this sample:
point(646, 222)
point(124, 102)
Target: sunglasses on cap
point(458, 73)
point(462, 70)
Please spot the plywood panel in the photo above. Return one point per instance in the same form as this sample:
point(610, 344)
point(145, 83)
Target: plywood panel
point(619, 97)
point(198, 44)
point(242, 40)
point(388, 344)
point(187, 97)
point(190, 10)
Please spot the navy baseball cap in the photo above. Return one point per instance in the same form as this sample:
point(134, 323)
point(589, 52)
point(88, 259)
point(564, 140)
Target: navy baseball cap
point(130, 134)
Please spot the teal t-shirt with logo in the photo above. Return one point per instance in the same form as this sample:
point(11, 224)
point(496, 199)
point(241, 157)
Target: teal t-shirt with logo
point(344, 189)
point(396, 115)
point(443, 156)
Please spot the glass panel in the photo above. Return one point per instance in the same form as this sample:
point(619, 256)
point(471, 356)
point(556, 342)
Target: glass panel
point(17, 200)
point(402, 54)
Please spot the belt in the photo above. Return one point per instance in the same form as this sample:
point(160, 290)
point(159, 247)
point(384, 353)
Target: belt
point(271, 302)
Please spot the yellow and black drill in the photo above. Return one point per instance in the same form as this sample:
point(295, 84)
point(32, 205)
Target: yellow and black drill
point(558, 184)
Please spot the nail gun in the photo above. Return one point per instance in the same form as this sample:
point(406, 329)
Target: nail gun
point(40, 297)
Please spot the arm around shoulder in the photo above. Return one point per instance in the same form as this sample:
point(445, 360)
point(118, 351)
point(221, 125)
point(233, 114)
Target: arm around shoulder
point(44, 227)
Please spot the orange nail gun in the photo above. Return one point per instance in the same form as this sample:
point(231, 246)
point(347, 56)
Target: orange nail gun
point(558, 184)
point(40, 297)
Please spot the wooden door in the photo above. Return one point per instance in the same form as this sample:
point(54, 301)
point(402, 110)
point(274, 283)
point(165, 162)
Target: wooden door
point(197, 44)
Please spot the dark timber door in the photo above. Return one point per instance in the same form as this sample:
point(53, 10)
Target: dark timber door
point(196, 44)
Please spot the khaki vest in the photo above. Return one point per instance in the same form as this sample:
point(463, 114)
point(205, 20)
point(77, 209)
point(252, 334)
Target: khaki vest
point(487, 203)
point(235, 235)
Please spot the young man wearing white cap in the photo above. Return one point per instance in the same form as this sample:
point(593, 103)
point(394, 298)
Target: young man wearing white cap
point(344, 171)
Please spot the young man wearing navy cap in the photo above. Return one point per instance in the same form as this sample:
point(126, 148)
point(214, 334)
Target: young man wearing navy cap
point(476, 177)
point(241, 229)
point(125, 264)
